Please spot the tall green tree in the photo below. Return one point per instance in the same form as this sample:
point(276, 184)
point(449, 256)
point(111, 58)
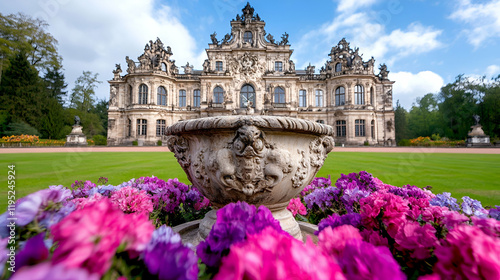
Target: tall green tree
point(101, 110)
point(423, 118)
point(489, 108)
point(22, 92)
point(21, 33)
point(52, 121)
point(400, 122)
point(83, 94)
point(55, 84)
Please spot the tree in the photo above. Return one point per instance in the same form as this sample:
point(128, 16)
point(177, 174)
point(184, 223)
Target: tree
point(489, 108)
point(22, 92)
point(101, 110)
point(54, 83)
point(83, 94)
point(20, 33)
point(52, 122)
point(423, 118)
point(400, 122)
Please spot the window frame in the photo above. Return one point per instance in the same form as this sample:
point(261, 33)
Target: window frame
point(143, 96)
point(279, 95)
point(196, 98)
point(142, 127)
point(161, 126)
point(248, 39)
point(182, 98)
point(278, 66)
point(161, 95)
point(219, 66)
point(218, 95)
point(341, 127)
point(319, 98)
point(359, 94)
point(338, 67)
point(248, 98)
point(302, 98)
point(340, 96)
point(359, 128)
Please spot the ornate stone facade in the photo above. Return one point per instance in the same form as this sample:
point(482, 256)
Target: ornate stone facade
point(249, 72)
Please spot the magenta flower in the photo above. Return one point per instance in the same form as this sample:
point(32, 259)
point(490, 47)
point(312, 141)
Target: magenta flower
point(89, 237)
point(333, 241)
point(451, 219)
point(83, 202)
point(132, 200)
point(374, 238)
point(296, 207)
point(389, 208)
point(468, 253)
point(273, 255)
point(419, 240)
point(48, 271)
point(490, 227)
point(433, 214)
point(362, 260)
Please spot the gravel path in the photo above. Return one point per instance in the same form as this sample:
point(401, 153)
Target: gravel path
point(336, 149)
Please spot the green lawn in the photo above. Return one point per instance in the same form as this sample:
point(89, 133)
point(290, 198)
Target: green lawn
point(475, 175)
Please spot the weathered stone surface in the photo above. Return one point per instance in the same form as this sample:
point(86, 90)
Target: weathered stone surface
point(261, 160)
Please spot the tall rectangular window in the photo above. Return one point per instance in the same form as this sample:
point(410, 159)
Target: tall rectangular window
point(142, 127)
point(182, 98)
point(302, 98)
point(143, 94)
point(319, 98)
point(160, 127)
point(278, 66)
point(341, 128)
point(129, 128)
point(359, 128)
point(218, 66)
point(196, 98)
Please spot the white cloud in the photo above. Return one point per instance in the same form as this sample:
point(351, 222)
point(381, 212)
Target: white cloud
point(94, 35)
point(492, 71)
point(409, 86)
point(482, 19)
point(350, 5)
point(368, 32)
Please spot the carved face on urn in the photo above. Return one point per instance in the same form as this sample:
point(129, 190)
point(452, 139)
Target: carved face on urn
point(258, 159)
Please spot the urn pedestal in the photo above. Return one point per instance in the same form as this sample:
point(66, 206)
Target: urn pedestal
point(262, 160)
point(76, 137)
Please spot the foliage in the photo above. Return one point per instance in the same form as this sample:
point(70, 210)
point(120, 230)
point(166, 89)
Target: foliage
point(428, 142)
point(21, 33)
point(18, 128)
point(101, 110)
point(159, 143)
point(135, 143)
point(83, 94)
point(400, 122)
point(90, 122)
point(54, 83)
point(100, 140)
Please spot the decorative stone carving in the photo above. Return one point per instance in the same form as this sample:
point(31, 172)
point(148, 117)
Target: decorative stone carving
point(131, 65)
point(383, 75)
point(214, 38)
point(117, 72)
point(249, 158)
point(188, 69)
point(284, 39)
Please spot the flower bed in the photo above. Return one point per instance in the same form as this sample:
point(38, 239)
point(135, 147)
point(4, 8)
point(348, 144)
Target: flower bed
point(367, 230)
point(29, 141)
point(428, 142)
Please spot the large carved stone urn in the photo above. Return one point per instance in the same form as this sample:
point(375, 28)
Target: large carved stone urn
point(262, 160)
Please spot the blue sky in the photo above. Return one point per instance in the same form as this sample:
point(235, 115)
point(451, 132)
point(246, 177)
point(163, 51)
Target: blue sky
point(425, 44)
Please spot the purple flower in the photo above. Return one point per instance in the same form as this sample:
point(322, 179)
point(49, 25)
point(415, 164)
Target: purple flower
point(82, 189)
point(33, 252)
point(3, 253)
point(234, 222)
point(166, 256)
point(473, 207)
point(352, 196)
point(362, 260)
point(408, 191)
point(322, 197)
point(50, 218)
point(362, 180)
point(48, 271)
point(445, 200)
point(335, 220)
point(495, 212)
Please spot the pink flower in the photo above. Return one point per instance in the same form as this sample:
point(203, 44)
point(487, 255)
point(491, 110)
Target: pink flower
point(468, 253)
point(387, 207)
point(434, 214)
point(201, 204)
point(333, 241)
point(374, 237)
point(89, 237)
point(417, 205)
point(417, 239)
point(451, 219)
point(46, 271)
point(296, 207)
point(490, 227)
point(131, 200)
point(272, 255)
point(83, 202)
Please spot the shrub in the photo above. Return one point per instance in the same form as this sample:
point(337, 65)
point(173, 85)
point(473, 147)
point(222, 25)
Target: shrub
point(100, 140)
point(404, 142)
point(160, 143)
point(366, 143)
point(135, 143)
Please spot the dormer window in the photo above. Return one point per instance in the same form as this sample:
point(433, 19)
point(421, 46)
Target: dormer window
point(218, 66)
point(248, 37)
point(278, 66)
point(338, 67)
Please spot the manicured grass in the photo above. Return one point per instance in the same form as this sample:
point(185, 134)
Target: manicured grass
point(475, 175)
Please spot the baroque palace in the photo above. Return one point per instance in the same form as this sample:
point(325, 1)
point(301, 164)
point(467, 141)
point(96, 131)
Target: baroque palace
point(250, 72)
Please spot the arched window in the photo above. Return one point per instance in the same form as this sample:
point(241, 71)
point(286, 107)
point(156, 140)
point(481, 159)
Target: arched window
point(162, 96)
point(319, 98)
point(182, 98)
point(338, 67)
point(196, 98)
point(163, 67)
point(247, 94)
point(373, 129)
point(279, 95)
point(142, 127)
point(359, 95)
point(143, 94)
point(302, 98)
point(340, 96)
point(248, 37)
point(218, 95)
point(371, 96)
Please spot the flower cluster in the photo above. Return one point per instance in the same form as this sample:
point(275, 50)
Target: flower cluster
point(21, 138)
point(433, 236)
